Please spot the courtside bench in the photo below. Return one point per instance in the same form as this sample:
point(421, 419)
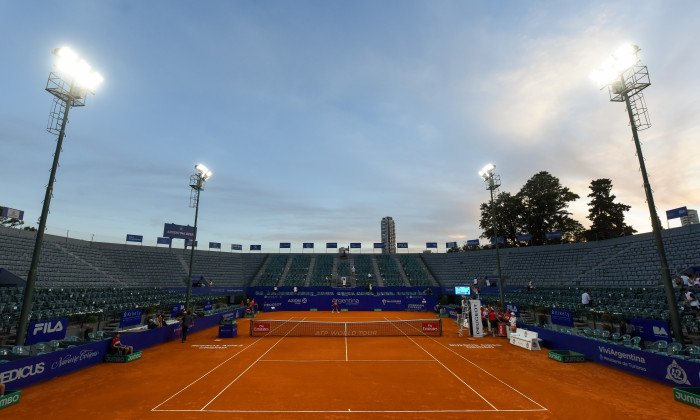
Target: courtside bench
point(525, 339)
point(122, 358)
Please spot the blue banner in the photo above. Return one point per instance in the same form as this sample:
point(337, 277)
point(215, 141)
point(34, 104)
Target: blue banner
point(134, 238)
point(431, 244)
point(355, 245)
point(524, 237)
point(473, 242)
point(131, 317)
point(13, 213)
point(215, 245)
point(553, 235)
point(562, 317)
point(236, 247)
point(402, 245)
point(513, 308)
point(285, 245)
point(171, 230)
point(379, 245)
point(450, 245)
point(500, 240)
point(208, 305)
point(164, 241)
point(308, 245)
point(177, 309)
point(188, 242)
point(256, 247)
point(331, 245)
point(676, 213)
point(46, 331)
point(652, 329)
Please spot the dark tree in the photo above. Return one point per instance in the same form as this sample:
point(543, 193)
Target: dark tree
point(509, 212)
point(544, 202)
point(607, 216)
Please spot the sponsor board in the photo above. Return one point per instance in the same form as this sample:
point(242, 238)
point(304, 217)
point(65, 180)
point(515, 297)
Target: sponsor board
point(475, 310)
point(687, 395)
point(122, 358)
point(47, 330)
point(12, 397)
point(476, 346)
point(260, 327)
point(431, 327)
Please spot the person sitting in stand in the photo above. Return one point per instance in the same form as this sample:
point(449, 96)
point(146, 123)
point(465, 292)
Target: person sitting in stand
point(2, 389)
point(116, 344)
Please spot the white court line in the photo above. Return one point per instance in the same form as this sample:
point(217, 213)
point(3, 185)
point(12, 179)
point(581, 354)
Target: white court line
point(448, 369)
point(198, 379)
point(346, 343)
point(248, 368)
point(338, 360)
point(490, 374)
point(353, 411)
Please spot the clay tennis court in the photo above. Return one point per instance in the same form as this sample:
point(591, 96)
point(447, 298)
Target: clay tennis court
point(402, 377)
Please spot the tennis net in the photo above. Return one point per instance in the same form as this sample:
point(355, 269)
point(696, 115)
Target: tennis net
point(290, 328)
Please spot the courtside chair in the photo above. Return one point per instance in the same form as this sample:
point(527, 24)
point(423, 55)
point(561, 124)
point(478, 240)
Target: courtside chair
point(674, 349)
point(659, 346)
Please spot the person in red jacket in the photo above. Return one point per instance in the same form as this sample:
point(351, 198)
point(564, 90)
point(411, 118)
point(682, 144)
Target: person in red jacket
point(336, 307)
point(117, 344)
point(493, 321)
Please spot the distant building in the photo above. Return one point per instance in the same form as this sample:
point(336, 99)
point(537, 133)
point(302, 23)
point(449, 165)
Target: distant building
point(690, 219)
point(388, 235)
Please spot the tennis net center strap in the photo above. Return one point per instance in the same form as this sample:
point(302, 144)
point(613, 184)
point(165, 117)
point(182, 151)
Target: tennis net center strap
point(287, 328)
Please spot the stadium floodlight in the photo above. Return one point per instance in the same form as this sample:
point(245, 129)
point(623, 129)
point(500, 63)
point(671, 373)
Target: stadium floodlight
point(626, 77)
point(197, 182)
point(493, 181)
point(68, 85)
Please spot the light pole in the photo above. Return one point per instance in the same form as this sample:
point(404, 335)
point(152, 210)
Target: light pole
point(69, 86)
point(197, 181)
point(626, 77)
point(493, 181)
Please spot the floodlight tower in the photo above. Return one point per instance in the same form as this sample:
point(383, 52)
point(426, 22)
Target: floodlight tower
point(493, 181)
point(197, 181)
point(69, 85)
point(626, 77)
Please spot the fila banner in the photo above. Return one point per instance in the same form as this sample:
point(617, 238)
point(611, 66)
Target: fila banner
point(47, 330)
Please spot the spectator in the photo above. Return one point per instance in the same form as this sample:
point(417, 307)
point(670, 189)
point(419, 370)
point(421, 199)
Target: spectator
point(476, 282)
point(159, 319)
point(116, 344)
point(274, 290)
point(586, 299)
point(513, 322)
point(2, 389)
point(296, 290)
point(369, 287)
point(530, 286)
point(691, 300)
point(428, 291)
point(493, 321)
point(186, 322)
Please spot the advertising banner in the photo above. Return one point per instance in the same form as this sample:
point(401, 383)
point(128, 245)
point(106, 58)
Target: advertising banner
point(46, 331)
point(171, 230)
point(331, 245)
point(524, 237)
point(553, 235)
point(475, 313)
point(177, 309)
point(131, 317)
point(13, 213)
point(450, 245)
point(513, 308)
point(652, 329)
point(402, 245)
point(134, 238)
point(236, 247)
point(562, 317)
point(208, 305)
point(355, 245)
point(188, 242)
point(214, 245)
point(378, 245)
point(431, 244)
point(308, 245)
point(256, 247)
point(500, 240)
point(164, 241)
point(285, 245)
point(473, 242)
point(676, 213)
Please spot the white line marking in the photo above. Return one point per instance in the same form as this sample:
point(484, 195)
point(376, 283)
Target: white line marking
point(346, 345)
point(248, 368)
point(448, 369)
point(490, 374)
point(359, 360)
point(358, 411)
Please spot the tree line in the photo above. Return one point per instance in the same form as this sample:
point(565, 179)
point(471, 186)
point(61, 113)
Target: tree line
point(541, 207)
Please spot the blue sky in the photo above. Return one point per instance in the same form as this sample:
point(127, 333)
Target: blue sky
point(318, 118)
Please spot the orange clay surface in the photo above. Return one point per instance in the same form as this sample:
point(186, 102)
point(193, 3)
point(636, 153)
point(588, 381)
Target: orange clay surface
point(448, 377)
